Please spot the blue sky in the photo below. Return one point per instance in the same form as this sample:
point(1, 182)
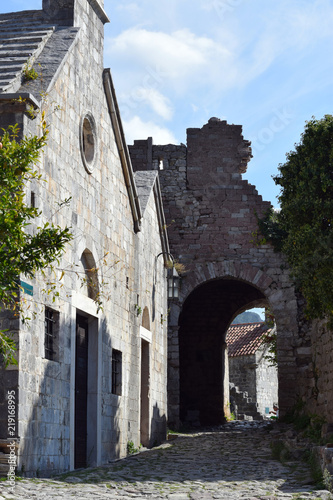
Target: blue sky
point(264, 64)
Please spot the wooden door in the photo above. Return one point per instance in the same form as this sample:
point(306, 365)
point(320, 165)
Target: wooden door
point(81, 382)
point(144, 420)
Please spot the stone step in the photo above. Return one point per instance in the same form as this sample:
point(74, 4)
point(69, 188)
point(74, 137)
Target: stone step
point(12, 33)
point(27, 27)
point(26, 54)
point(16, 62)
point(7, 67)
point(14, 47)
point(21, 39)
point(5, 80)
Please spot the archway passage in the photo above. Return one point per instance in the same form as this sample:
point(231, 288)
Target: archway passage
point(203, 322)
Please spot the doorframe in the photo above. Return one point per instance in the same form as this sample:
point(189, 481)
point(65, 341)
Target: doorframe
point(145, 340)
point(81, 427)
point(83, 305)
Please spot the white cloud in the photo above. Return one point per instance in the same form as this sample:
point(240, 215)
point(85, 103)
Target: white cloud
point(178, 58)
point(135, 128)
point(157, 102)
point(203, 69)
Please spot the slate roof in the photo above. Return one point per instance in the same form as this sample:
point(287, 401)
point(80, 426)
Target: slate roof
point(245, 339)
point(145, 181)
point(23, 36)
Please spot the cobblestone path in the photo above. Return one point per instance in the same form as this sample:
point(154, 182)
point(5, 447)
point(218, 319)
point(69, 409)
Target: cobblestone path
point(231, 464)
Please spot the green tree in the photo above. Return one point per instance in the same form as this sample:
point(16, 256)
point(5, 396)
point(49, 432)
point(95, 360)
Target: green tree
point(302, 229)
point(24, 249)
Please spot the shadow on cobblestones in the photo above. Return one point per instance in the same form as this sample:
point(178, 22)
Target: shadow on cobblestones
point(234, 462)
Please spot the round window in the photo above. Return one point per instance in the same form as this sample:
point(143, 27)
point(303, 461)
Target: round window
point(88, 142)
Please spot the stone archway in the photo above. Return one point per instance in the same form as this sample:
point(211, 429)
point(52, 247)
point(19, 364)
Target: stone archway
point(211, 213)
point(203, 322)
point(211, 296)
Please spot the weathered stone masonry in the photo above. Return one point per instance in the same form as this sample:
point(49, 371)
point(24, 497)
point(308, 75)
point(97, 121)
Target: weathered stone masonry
point(211, 216)
point(118, 227)
point(210, 219)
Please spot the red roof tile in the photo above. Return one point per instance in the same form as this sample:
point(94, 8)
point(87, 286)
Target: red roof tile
point(245, 339)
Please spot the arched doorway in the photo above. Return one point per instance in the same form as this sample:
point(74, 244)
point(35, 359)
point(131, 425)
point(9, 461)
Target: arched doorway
point(206, 315)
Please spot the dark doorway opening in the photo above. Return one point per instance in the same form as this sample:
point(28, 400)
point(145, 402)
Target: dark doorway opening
point(81, 392)
point(144, 418)
point(203, 323)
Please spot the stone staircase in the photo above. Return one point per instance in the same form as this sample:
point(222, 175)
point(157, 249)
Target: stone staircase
point(23, 36)
point(244, 406)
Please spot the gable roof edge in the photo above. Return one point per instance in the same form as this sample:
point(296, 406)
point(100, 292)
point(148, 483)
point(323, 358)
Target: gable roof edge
point(99, 11)
point(122, 148)
point(161, 220)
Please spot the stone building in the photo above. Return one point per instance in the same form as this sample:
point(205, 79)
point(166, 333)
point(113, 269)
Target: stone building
point(88, 380)
point(253, 381)
point(211, 212)
point(117, 216)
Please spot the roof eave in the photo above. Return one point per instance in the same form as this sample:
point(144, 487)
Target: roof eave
point(122, 148)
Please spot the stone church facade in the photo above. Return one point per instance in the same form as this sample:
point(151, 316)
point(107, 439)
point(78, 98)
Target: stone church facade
point(88, 380)
point(91, 380)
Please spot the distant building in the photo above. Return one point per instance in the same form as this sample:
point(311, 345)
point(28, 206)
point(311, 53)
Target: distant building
point(253, 381)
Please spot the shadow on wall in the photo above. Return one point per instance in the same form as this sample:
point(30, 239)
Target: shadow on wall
point(45, 402)
point(158, 427)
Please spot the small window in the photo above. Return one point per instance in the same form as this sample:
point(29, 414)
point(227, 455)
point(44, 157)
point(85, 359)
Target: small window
point(32, 200)
point(51, 334)
point(116, 371)
point(88, 142)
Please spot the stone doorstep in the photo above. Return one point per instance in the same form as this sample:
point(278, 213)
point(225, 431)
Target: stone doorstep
point(4, 454)
point(4, 445)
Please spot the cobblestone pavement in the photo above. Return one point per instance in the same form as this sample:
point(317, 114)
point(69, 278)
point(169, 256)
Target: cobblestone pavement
point(233, 464)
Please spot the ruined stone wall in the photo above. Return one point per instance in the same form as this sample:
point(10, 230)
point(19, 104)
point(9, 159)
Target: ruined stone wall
point(211, 215)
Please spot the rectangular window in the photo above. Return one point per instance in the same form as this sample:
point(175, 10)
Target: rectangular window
point(51, 334)
point(32, 200)
point(116, 371)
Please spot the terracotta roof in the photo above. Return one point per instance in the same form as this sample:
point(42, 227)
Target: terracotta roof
point(245, 338)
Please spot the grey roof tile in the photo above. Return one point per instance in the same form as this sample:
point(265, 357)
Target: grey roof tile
point(23, 36)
